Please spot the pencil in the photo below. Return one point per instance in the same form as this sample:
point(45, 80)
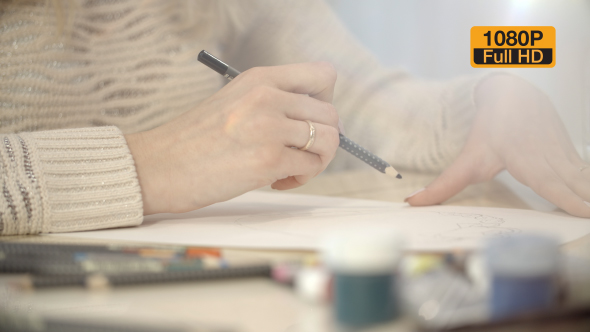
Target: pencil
point(346, 143)
point(24, 321)
point(99, 280)
point(94, 266)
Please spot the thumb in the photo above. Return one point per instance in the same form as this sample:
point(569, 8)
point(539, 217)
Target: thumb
point(459, 175)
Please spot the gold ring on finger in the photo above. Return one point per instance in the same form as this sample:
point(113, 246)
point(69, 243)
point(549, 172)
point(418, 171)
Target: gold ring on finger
point(311, 137)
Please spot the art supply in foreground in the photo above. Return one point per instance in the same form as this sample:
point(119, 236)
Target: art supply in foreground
point(441, 296)
point(99, 280)
point(312, 284)
point(364, 268)
point(59, 259)
point(576, 276)
point(415, 265)
point(347, 144)
point(570, 320)
point(523, 271)
point(53, 265)
point(309, 279)
point(29, 322)
point(284, 272)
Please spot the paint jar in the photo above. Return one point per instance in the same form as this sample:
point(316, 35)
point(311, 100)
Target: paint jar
point(312, 284)
point(363, 265)
point(523, 271)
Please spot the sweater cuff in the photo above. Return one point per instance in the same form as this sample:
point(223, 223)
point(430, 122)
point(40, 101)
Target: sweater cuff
point(87, 179)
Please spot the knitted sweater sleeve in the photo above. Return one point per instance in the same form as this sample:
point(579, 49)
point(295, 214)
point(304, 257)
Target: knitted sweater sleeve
point(412, 123)
point(67, 180)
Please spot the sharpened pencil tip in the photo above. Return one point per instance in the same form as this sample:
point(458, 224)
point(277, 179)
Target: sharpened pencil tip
point(392, 172)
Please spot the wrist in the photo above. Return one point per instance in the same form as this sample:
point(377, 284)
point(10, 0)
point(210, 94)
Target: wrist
point(142, 152)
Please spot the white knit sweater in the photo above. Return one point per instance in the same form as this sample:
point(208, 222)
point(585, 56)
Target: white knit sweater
point(123, 66)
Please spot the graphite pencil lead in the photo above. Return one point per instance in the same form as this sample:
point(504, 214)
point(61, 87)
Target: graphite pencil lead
point(392, 172)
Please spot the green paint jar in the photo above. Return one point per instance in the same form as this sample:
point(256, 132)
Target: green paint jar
point(364, 267)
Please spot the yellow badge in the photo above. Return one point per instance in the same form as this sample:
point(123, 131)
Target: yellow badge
point(512, 47)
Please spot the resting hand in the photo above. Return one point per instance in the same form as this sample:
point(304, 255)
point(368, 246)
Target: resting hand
point(240, 139)
point(517, 129)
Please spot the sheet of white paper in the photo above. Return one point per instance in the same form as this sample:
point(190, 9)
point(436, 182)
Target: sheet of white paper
point(289, 221)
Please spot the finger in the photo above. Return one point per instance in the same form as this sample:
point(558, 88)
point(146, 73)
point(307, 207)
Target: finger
point(291, 182)
point(544, 181)
point(325, 143)
point(301, 166)
point(576, 180)
point(341, 127)
point(315, 79)
point(286, 184)
point(454, 179)
point(324, 147)
point(294, 162)
point(301, 107)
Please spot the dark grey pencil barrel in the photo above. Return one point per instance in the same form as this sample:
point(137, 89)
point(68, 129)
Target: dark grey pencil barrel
point(212, 62)
point(363, 154)
point(231, 73)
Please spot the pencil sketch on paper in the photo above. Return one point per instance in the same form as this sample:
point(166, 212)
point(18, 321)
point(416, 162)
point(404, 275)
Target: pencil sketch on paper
point(446, 228)
point(318, 213)
point(477, 226)
point(287, 221)
point(302, 223)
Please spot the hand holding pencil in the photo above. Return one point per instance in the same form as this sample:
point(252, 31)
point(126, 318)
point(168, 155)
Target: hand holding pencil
point(345, 143)
point(241, 139)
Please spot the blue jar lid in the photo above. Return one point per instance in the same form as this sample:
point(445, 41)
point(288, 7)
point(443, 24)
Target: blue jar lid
point(523, 255)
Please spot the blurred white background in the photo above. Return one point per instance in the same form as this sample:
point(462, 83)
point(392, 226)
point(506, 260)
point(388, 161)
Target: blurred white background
point(430, 38)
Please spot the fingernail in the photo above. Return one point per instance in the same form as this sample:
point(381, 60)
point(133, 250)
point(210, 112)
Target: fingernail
point(341, 127)
point(588, 204)
point(414, 193)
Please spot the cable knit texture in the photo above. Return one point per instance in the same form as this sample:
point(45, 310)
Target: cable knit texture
point(123, 66)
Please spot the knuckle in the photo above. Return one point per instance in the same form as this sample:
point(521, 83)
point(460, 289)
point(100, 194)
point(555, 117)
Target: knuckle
point(268, 158)
point(260, 125)
point(252, 73)
point(547, 189)
point(572, 179)
point(333, 139)
point(321, 165)
point(259, 94)
point(328, 70)
point(574, 208)
point(541, 187)
point(332, 114)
